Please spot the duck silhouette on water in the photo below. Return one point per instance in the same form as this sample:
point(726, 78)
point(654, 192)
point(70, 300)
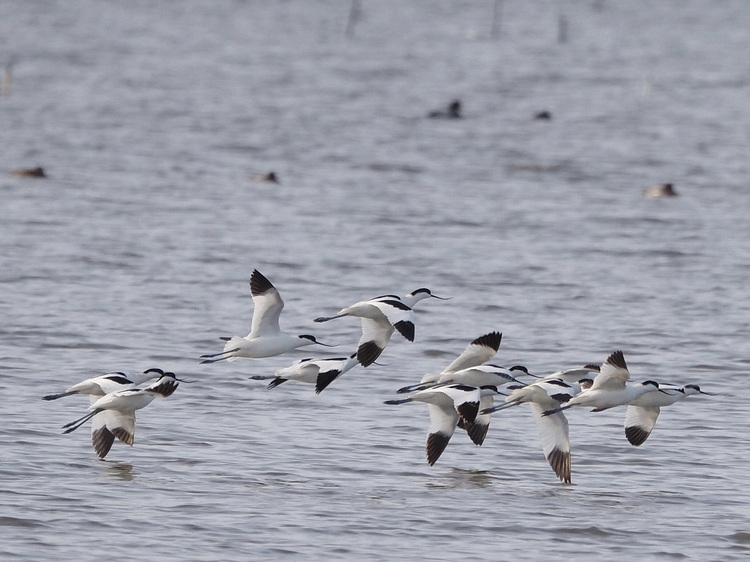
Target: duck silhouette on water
point(453, 111)
point(270, 177)
point(37, 172)
point(660, 190)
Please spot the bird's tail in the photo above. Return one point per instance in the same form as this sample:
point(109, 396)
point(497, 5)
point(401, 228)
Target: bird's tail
point(231, 346)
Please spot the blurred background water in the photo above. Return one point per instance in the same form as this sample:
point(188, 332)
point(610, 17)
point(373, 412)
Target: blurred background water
point(152, 120)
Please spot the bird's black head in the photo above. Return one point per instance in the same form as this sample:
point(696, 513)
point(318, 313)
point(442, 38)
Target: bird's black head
point(697, 389)
point(422, 290)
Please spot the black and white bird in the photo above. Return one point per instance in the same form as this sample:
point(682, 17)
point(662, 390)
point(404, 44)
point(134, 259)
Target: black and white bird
point(642, 413)
point(381, 316)
point(546, 395)
point(320, 372)
point(483, 377)
point(610, 387)
point(265, 338)
point(447, 405)
point(468, 369)
point(113, 415)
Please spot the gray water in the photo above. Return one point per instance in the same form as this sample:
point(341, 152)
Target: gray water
point(151, 120)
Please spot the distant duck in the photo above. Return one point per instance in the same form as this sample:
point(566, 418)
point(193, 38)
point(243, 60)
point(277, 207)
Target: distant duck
point(29, 173)
point(660, 190)
point(453, 111)
point(269, 177)
point(543, 116)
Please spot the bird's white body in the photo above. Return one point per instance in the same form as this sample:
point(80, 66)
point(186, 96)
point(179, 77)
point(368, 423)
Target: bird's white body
point(265, 338)
point(128, 400)
point(655, 399)
point(109, 382)
point(104, 384)
point(256, 347)
point(611, 388)
point(605, 398)
point(547, 393)
point(484, 375)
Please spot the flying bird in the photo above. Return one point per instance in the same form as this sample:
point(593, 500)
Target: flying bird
point(265, 338)
point(447, 405)
point(381, 316)
point(642, 413)
point(113, 415)
point(320, 372)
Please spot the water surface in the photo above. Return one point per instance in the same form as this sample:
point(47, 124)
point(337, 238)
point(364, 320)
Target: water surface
point(152, 120)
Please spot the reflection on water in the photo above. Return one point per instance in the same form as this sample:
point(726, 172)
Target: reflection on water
point(120, 470)
point(463, 478)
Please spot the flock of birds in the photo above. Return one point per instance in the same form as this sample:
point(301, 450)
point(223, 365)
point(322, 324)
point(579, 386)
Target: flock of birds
point(462, 395)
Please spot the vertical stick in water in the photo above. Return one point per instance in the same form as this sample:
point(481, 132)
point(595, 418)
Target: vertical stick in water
point(497, 18)
point(562, 29)
point(7, 79)
point(352, 19)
